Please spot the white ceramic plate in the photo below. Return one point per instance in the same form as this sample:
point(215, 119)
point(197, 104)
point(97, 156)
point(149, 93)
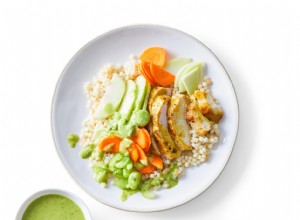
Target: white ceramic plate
point(69, 110)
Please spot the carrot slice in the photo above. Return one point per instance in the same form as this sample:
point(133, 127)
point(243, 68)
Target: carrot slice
point(161, 76)
point(156, 55)
point(142, 156)
point(144, 68)
point(148, 139)
point(145, 75)
point(134, 154)
point(157, 162)
point(147, 169)
point(111, 140)
point(147, 70)
point(142, 138)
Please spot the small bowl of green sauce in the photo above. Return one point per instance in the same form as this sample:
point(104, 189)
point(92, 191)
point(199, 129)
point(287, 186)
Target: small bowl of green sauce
point(53, 204)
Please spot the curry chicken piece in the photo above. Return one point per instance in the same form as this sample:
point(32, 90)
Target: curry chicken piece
point(178, 125)
point(155, 92)
point(196, 119)
point(208, 107)
point(165, 142)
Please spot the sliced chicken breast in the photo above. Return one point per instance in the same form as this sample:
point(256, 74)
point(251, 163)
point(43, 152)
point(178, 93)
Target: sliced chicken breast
point(157, 91)
point(208, 107)
point(196, 119)
point(166, 144)
point(178, 126)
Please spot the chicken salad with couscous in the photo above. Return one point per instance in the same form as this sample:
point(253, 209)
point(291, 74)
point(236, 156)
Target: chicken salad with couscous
point(149, 120)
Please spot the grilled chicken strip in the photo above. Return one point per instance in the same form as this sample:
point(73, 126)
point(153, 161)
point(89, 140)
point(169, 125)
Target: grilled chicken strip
point(178, 126)
point(153, 95)
point(208, 107)
point(196, 119)
point(157, 91)
point(166, 144)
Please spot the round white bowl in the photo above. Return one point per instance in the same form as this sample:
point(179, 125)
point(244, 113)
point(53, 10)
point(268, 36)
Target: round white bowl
point(67, 194)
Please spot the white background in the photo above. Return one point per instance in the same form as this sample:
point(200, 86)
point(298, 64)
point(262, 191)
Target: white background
point(258, 42)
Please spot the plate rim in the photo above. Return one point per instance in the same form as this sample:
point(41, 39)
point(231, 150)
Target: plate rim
point(111, 31)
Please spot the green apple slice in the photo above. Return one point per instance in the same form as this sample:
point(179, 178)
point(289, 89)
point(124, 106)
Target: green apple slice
point(141, 87)
point(147, 95)
point(191, 80)
point(181, 72)
point(184, 70)
point(129, 99)
point(175, 64)
point(112, 97)
point(181, 85)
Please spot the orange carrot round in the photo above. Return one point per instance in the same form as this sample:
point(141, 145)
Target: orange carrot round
point(147, 169)
point(161, 76)
point(112, 140)
point(148, 139)
point(156, 55)
point(142, 156)
point(156, 161)
point(144, 68)
point(142, 138)
point(133, 153)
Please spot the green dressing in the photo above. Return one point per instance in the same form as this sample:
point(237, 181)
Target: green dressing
point(73, 140)
point(54, 207)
